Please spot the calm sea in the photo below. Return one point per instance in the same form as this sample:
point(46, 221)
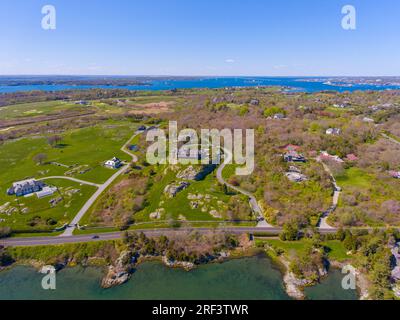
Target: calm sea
point(298, 84)
point(247, 278)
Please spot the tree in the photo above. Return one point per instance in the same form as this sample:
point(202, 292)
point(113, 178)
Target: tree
point(380, 274)
point(225, 189)
point(54, 140)
point(271, 111)
point(350, 242)
point(290, 232)
point(5, 232)
point(340, 234)
point(5, 258)
point(40, 158)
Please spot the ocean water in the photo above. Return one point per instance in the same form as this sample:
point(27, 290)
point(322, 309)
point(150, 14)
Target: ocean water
point(247, 278)
point(297, 84)
point(330, 289)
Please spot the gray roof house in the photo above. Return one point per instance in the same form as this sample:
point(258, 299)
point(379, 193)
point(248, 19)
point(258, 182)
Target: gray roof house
point(24, 187)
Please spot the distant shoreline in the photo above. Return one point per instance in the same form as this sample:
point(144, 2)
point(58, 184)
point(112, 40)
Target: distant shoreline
point(12, 84)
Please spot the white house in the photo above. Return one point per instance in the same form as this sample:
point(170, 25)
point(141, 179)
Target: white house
point(332, 131)
point(46, 191)
point(370, 120)
point(114, 163)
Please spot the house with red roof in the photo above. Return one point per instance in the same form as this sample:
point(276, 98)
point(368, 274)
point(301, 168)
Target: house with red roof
point(351, 157)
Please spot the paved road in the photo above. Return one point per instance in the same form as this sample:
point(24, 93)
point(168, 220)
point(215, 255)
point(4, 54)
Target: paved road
point(71, 227)
point(72, 179)
point(35, 241)
point(253, 201)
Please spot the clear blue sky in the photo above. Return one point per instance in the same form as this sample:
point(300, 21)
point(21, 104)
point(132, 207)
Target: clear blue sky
point(200, 37)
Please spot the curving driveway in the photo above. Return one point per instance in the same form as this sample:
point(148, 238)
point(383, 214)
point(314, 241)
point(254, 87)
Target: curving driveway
point(323, 222)
point(71, 227)
point(252, 199)
point(72, 179)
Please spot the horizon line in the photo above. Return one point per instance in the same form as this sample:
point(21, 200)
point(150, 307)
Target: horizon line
point(197, 76)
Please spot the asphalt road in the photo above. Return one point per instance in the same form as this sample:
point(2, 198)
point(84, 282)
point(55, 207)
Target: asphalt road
point(36, 241)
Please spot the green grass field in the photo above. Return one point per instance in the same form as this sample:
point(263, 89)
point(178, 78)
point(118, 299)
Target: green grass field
point(354, 177)
point(84, 149)
point(377, 190)
point(38, 109)
point(33, 214)
point(334, 248)
point(88, 147)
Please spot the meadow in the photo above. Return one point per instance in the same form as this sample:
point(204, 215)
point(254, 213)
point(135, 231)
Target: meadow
point(334, 249)
point(80, 154)
point(38, 109)
point(38, 215)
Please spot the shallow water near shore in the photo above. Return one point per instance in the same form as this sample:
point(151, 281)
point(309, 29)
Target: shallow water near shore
point(246, 278)
point(330, 288)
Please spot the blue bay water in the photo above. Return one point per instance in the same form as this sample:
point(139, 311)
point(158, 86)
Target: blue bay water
point(297, 84)
point(248, 278)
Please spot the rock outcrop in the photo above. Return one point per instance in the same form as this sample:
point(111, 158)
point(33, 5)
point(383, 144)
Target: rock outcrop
point(120, 272)
point(171, 190)
point(188, 174)
point(178, 264)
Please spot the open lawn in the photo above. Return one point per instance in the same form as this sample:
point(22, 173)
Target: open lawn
point(372, 193)
point(31, 214)
point(354, 177)
point(333, 248)
point(80, 154)
point(38, 109)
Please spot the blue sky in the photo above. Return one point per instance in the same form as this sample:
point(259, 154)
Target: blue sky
point(202, 37)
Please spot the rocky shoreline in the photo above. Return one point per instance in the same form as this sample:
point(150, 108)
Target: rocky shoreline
point(362, 282)
point(123, 268)
point(125, 265)
point(295, 287)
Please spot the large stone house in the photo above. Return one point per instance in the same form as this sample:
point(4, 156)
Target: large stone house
point(24, 187)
